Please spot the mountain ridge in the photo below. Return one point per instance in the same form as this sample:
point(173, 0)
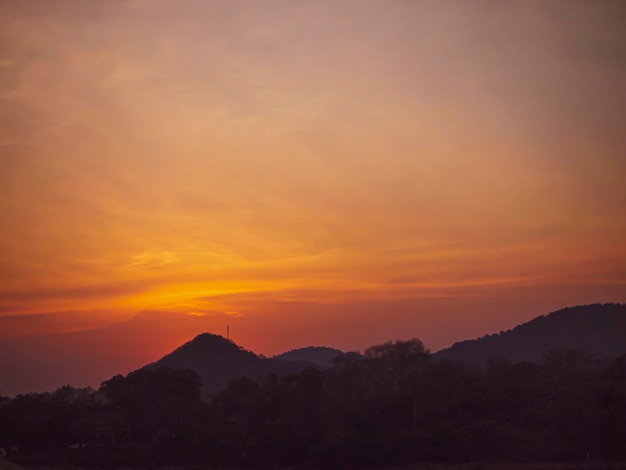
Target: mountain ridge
point(600, 329)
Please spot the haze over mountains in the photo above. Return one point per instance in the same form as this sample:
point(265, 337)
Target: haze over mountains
point(599, 329)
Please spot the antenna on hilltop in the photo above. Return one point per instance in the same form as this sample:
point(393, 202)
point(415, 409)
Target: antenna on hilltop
point(227, 331)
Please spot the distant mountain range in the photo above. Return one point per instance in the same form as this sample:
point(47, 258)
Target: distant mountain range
point(600, 329)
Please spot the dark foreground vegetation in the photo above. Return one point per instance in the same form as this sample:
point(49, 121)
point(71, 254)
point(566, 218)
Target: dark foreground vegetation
point(395, 405)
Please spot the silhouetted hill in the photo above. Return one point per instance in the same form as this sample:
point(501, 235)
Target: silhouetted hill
point(218, 360)
point(318, 355)
point(599, 329)
point(206, 350)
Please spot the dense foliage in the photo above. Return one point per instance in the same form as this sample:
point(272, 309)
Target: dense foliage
point(394, 404)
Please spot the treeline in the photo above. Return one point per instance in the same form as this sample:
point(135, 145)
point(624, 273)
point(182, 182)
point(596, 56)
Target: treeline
point(396, 404)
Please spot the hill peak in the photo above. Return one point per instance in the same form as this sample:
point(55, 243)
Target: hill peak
point(212, 356)
point(207, 345)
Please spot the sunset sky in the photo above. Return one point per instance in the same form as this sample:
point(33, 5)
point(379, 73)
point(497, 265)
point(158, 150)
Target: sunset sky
point(332, 172)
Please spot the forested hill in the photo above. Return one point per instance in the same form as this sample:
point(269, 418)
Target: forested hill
point(600, 329)
point(218, 360)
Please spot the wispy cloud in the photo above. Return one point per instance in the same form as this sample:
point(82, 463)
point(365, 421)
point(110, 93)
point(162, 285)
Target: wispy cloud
point(152, 259)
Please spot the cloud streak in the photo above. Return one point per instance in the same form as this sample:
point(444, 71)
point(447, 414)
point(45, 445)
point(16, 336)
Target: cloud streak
point(150, 260)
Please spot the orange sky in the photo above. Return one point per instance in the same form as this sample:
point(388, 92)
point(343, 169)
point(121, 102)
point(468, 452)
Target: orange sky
point(329, 172)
